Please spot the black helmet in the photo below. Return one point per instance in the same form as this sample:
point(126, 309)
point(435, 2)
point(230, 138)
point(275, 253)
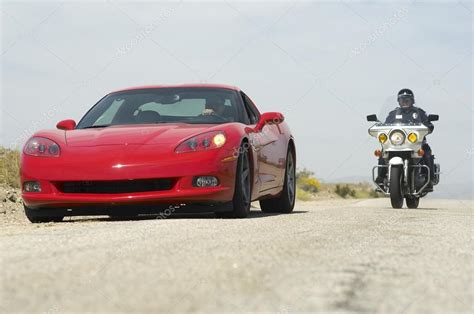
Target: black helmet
point(406, 93)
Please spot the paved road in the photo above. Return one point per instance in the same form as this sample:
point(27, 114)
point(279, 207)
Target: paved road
point(327, 256)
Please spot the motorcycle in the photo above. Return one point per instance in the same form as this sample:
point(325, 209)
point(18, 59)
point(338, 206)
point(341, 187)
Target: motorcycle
point(407, 177)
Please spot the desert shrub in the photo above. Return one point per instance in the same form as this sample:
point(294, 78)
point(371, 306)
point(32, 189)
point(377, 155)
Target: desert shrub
point(311, 185)
point(302, 195)
point(306, 181)
point(10, 167)
point(305, 173)
point(374, 194)
point(344, 191)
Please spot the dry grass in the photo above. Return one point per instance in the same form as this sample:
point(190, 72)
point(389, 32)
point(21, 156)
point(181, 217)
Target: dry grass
point(355, 190)
point(9, 167)
point(309, 188)
point(303, 195)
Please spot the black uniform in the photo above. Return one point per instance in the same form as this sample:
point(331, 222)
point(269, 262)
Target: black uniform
point(411, 115)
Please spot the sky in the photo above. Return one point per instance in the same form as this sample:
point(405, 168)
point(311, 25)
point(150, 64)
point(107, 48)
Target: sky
point(324, 64)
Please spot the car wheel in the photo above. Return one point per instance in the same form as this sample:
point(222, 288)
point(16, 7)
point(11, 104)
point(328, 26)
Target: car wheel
point(286, 201)
point(40, 216)
point(243, 188)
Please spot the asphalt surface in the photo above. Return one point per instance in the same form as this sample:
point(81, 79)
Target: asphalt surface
point(327, 256)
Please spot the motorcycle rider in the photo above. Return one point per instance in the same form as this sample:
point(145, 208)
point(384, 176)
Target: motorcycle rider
point(408, 113)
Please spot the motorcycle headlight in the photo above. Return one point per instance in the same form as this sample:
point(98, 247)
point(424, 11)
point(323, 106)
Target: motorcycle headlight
point(412, 137)
point(397, 137)
point(201, 142)
point(383, 138)
point(41, 147)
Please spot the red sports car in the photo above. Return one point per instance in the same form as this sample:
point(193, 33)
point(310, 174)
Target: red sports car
point(146, 150)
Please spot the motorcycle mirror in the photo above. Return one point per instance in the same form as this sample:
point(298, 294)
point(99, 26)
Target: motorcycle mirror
point(433, 117)
point(372, 118)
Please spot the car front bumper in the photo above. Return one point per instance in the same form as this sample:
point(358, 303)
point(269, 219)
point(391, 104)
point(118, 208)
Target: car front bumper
point(130, 163)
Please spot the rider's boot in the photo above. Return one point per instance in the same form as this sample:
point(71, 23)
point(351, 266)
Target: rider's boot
point(379, 181)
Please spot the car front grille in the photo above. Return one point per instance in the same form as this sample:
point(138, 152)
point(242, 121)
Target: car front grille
point(115, 187)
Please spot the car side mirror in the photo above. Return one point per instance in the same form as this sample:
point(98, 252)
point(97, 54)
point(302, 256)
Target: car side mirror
point(372, 118)
point(433, 117)
point(269, 118)
point(66, 125)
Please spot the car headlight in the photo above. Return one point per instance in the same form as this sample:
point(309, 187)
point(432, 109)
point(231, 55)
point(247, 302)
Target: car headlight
point(202, 142)
point(397, 137)
point(412, 137)
point(41, 147)
point(383, 138)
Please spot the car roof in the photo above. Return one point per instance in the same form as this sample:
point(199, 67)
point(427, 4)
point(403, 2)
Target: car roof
point(180, 86)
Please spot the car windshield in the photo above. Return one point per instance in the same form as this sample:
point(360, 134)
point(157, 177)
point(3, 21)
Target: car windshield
point(164, 105)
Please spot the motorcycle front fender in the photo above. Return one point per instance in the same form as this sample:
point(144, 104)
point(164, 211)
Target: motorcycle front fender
point(393, 162)
point(396, 161)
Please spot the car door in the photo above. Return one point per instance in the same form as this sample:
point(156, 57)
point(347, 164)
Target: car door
point(267, 145)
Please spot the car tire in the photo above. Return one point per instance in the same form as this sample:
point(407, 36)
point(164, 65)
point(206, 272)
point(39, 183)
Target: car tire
point(243, 188)
point(38, 216)
point(284, 203)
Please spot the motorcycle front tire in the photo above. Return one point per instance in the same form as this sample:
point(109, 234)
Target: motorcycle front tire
point(396, 186)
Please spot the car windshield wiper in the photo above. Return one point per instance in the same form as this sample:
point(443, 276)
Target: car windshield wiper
point(97, 126)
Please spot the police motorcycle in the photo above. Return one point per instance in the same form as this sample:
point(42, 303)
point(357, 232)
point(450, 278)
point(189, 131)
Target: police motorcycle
point(406, 175)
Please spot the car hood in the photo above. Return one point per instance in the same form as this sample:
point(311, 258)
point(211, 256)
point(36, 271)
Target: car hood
point(134, 134)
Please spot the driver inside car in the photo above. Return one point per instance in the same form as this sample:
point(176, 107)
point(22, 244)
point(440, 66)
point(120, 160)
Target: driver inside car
point(216, 106)
point(407, 113)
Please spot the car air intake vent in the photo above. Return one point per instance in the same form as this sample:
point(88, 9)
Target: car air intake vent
point(115, 187)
